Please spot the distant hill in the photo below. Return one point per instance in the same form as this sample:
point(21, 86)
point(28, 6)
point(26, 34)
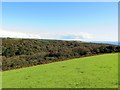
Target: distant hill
point(108, 42)
point(19, 53)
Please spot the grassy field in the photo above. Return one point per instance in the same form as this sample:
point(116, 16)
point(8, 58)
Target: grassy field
point(99, 71)
point(0, 80)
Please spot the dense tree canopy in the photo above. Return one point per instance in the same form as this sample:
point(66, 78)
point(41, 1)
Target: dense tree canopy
point(19, 53)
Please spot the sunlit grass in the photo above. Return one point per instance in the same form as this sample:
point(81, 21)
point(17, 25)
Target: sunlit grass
point(99, 71)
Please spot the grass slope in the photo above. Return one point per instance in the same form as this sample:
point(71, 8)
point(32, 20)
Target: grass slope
point(0, 80)
point(99, 71)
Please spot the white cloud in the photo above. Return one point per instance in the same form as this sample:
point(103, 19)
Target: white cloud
point(67, 36)
point(47, 35)
point(12, 34)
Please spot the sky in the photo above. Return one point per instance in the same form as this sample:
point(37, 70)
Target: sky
point(85, 21)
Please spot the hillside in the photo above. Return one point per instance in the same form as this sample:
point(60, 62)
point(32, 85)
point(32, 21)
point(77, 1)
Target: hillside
point(99, 71)
point(17, 53)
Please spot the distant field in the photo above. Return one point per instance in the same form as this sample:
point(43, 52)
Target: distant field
point(99, 71)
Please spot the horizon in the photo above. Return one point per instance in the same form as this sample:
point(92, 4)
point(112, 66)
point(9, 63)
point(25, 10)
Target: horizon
point(83, 21)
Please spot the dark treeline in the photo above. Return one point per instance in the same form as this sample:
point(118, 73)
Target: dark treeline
point(17, 53)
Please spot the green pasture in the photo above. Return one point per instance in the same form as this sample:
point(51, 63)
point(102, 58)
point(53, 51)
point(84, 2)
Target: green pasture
point(99, 71)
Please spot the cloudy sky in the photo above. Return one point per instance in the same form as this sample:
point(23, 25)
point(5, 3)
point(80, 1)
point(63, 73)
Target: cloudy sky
point(86, 21)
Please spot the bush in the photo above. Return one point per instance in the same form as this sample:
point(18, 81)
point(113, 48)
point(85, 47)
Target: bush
point(24, 52)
